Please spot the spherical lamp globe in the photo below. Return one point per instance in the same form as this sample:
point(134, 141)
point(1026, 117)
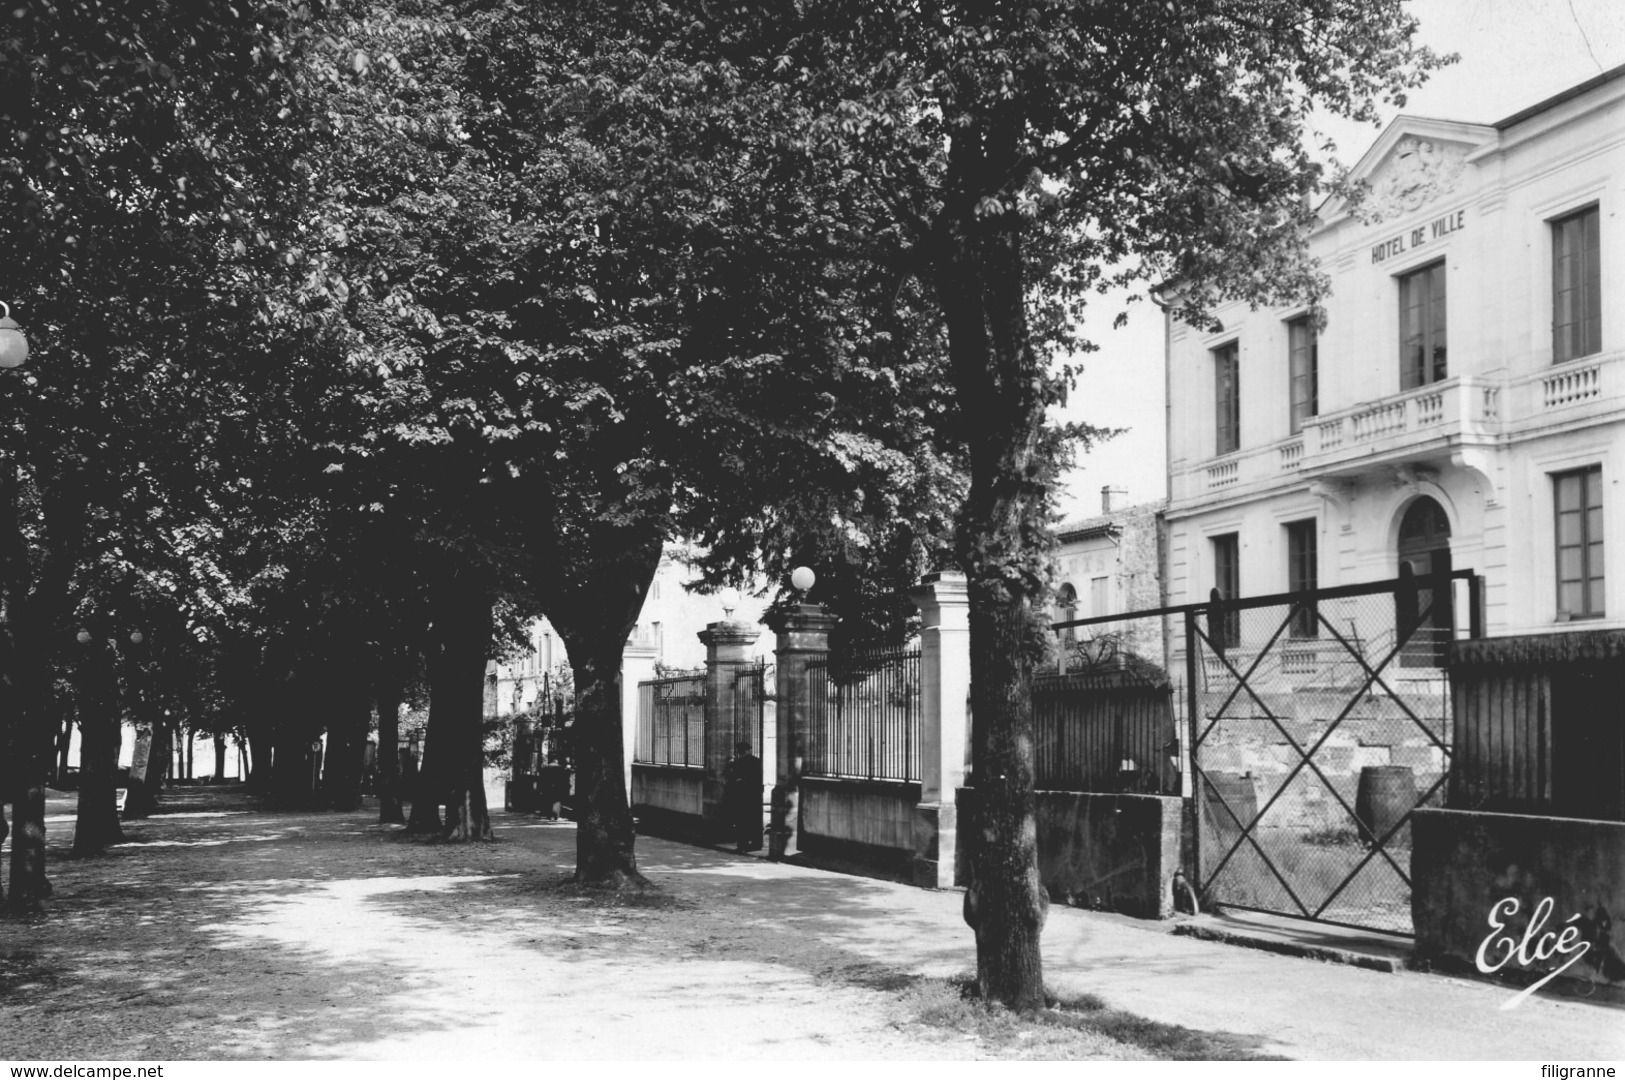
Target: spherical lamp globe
point(803, 578)
point(13, 345)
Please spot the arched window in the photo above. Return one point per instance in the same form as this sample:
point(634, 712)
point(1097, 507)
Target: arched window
point(1424, 552)
point(1066, 609)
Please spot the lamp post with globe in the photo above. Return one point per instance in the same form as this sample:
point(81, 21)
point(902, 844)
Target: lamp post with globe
point(25, 761)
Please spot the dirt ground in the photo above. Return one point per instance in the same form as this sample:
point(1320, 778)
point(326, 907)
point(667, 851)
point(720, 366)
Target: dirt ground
point(224, 932)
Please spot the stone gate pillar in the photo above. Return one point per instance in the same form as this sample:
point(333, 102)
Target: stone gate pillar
point(944, 607)
point(727, 645)
point(803, 635)
point(637, 665)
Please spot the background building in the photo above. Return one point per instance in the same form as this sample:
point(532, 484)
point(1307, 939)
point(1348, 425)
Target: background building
point(1110, 564)
point(1463, 405)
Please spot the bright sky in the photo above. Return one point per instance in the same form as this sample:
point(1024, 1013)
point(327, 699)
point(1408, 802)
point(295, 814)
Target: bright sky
point(1514, 53)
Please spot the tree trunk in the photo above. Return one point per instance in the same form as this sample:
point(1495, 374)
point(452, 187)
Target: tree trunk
point(160, 759)
point(141, 799)
point(1001, 528)
point(219, 758)
point(343, 700)
point(191, 753)
point(64, 746)
point(459, 644)
point(347, 751)
point(605, 833)
point(594, 619)
point(427, 787)
point(97, 825)
point(29, 624)
point(297, 746)
point(33, 746)
point(390, 691)
point(260, 753)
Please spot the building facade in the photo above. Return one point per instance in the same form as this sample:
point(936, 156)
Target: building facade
point(1463, 404)
point(1110, 564)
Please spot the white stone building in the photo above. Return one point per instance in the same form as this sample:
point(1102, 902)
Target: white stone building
point(1464, 404)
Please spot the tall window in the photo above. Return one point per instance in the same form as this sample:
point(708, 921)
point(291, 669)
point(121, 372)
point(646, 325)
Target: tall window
point(1301, 574)
point(1579, 543)
point(1304, 364)
point(1227, 579)
point(1576, 286)
point(1099, 599)
point(1227, 385)
point(1066, 609)
point(1422, 345)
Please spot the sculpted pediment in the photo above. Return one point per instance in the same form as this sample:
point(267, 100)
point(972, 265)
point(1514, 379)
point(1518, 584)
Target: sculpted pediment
point(1418, 171)
point(1414, 162)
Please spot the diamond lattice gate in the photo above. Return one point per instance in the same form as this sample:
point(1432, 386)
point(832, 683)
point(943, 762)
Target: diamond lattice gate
point(1319, 721)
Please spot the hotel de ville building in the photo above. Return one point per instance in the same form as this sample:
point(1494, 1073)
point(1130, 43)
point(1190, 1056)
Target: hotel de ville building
point(1463, 405)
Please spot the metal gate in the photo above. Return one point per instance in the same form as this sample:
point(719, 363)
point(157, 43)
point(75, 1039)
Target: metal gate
point(751, 695)
point(1319, 721)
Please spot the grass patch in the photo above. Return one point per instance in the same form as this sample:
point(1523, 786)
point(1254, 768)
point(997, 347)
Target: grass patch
point(1078, 1027)
point(871, 976)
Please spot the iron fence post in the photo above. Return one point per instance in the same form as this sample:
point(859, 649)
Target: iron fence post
point(1191, 702)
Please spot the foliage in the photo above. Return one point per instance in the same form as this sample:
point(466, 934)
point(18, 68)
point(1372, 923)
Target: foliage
point(1030, 156)
point(1113, 653)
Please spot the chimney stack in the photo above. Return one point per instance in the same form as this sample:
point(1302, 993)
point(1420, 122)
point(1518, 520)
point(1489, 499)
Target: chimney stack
point(1112, 498)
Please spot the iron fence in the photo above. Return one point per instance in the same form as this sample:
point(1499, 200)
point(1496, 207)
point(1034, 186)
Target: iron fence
point(1107, 714)
point(866, 716)
point(1105, 732)
point(671, 721)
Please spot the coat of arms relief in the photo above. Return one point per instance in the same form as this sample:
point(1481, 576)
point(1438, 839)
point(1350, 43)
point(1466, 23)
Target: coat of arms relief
point(1417, 172)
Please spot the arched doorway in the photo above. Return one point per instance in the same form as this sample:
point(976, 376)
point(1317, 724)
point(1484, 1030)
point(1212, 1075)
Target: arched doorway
point(1424, 547)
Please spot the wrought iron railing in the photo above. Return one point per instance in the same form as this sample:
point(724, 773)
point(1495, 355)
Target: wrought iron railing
point(671, 721)
point(865, 722)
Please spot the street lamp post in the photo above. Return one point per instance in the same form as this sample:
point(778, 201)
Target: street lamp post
point(22, 775)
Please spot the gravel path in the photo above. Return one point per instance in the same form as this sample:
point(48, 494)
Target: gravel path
point(223, 932)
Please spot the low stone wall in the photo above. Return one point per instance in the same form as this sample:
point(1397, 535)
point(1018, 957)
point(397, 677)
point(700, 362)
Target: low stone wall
point(867, 820)
point(1468, 867)
point(1116, 852)
point(669, 800)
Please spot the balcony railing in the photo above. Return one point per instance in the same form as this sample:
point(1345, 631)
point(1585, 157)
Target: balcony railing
point(1577, 390)
point(1413, 425)
point(1459, 406)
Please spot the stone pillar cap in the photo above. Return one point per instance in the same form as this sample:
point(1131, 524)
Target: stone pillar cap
point(800, 617)
point(730, 631)
point(939, 586)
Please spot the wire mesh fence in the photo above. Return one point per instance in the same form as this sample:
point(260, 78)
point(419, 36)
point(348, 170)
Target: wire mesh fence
point(1307, 726)
point(1322, 721)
